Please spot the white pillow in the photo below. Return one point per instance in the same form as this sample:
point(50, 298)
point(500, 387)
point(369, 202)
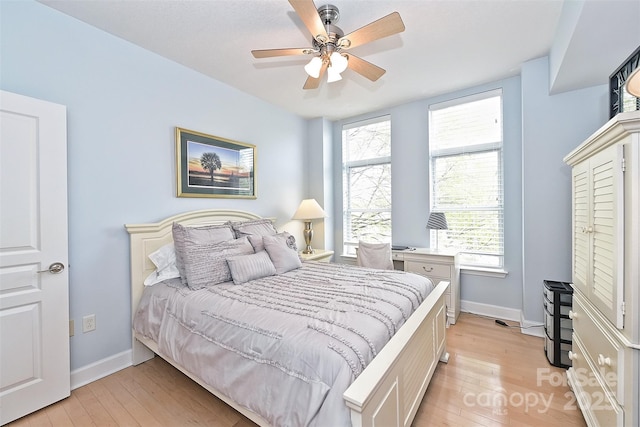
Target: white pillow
point(165, 261)
point(282, 256)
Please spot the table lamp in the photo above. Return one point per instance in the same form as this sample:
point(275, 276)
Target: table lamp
point(437, 221)
point(308, 210)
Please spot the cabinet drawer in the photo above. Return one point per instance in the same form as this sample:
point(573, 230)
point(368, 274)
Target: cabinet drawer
point(604, 352)
point(429, 269)
point(587, 386)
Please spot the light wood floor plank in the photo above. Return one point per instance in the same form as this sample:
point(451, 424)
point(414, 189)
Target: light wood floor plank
point(496, 376)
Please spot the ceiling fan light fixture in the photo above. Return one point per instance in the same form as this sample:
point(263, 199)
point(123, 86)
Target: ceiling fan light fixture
point(313, 67)
point(338, 62)
point(333, 75)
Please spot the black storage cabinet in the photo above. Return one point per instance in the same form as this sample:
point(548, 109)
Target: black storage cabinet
point(557, 325)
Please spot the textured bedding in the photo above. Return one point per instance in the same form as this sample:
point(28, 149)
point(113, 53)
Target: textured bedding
point(285, 346)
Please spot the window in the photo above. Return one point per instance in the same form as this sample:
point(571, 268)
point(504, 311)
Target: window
point(366, 182)
point(465, 146)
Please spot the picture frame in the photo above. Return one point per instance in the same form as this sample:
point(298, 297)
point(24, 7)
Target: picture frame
point(211, 166)
point(619, 99)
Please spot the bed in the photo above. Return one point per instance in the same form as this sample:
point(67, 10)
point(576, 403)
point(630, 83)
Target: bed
point(386, 392)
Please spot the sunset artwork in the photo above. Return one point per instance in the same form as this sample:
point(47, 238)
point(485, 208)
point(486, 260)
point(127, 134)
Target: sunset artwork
point(234, 172)
point(211, 166)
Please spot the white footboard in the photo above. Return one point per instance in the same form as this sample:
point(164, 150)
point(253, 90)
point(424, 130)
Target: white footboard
point(390, 389)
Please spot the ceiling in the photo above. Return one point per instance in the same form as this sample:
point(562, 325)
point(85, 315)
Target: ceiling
point(447, 45)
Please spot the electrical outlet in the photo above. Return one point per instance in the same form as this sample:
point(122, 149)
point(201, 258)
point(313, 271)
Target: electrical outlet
point(72, 328)
point(89, 323)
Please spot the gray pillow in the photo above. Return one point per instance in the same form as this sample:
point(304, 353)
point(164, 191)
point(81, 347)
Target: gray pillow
point(250, 267)
point(197, 235)
point(258, 244)
point(206, 263)
point(261, 227)
point(283, 257)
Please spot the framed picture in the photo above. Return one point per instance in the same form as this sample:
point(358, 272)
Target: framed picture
point(210, 166)
point(619, 99)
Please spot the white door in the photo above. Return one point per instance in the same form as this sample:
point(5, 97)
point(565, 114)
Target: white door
point(34, 298)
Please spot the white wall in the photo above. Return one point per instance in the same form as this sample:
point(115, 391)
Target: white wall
point(123, 103)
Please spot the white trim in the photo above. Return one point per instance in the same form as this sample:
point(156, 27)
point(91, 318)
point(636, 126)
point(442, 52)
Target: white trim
point(483, 271)
point(491, 310)
point(365, 122)
point(466, 99)
point(100, 369)
point(527, 327)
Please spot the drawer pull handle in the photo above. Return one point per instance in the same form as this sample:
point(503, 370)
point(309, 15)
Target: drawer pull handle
point(428, 270)
point(572, 355)
point(572, 314)
point(602, 361)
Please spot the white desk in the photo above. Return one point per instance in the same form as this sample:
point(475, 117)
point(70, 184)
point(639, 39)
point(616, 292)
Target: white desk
point(437, 266)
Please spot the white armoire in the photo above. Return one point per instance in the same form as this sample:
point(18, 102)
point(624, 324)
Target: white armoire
point(605, 352)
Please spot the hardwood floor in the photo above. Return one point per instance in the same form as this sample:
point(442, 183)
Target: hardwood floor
point(496, 376)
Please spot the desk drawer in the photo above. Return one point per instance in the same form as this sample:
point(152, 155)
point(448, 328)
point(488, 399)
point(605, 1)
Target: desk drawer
point(429, 269)
point(604, 352)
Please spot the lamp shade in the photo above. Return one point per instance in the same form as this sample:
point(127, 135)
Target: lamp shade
point(437, 221)
point(313, 67)
point(633, 83)
point(309, 209)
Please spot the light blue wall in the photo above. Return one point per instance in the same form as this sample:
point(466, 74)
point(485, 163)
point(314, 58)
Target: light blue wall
point(123, 103)
point(553, 125)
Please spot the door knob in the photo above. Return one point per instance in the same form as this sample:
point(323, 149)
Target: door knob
point(55, 268)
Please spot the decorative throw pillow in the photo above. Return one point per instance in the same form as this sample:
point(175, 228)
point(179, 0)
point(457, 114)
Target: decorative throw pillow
point(261, 227)
point(258, 244)
point(283, 257)
point(250, 267)
point(206, 263)
point(183, 235)
point(165, 261)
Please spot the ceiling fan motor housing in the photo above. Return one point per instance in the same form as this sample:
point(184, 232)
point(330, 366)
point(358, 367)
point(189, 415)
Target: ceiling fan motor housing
point(329, 13)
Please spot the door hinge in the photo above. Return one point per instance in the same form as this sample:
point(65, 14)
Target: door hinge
point(623, 308)
point(623, 165)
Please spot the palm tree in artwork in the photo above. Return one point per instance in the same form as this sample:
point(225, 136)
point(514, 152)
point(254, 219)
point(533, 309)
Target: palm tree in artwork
point(210, 162)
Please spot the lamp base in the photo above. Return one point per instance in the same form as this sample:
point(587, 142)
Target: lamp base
point(308, 235)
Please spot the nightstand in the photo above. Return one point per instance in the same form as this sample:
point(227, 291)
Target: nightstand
point(436, 265)
point(319, 255)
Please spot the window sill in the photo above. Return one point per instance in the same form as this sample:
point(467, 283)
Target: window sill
point(483, 271)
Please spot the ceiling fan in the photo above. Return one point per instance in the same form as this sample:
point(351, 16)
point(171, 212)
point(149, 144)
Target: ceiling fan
point(330, 43)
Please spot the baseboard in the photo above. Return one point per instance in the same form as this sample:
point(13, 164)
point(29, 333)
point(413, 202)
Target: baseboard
point(528, 327)
point(491, 310)
point(100, 369)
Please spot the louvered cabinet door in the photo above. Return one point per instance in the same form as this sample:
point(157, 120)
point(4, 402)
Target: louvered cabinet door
point(605, 232)
point(581, 267)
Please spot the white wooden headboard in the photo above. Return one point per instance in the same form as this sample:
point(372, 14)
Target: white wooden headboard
point(147, 238)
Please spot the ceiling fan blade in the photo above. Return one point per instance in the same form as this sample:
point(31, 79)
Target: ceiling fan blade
point(365, 68)
point(308, 12)
point(312, 83)
point(269, 53)
point(383, 27)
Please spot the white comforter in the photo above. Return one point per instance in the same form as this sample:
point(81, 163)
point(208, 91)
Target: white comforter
point(285, 346)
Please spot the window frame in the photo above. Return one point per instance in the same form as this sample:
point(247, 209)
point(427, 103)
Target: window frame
point(486, 147)
point(348, 247)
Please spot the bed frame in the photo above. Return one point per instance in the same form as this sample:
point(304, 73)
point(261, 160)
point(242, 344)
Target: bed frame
point(387, 393)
